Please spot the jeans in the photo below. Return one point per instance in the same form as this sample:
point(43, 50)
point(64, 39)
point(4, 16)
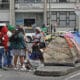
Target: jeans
point(1, 55)
point(5, 59)
point(8, 58)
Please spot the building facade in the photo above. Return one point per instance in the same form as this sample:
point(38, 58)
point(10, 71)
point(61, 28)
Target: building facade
point(38, 12)
point(4, 11)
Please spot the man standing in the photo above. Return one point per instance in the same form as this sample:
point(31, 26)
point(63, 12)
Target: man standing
point(44, 29)
point(3, 44)
point(9, 54)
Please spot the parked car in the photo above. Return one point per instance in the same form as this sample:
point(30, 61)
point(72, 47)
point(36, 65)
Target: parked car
point(29, 34)
point(2, 24)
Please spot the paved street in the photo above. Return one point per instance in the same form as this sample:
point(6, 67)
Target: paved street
point(73, 76)
point(15, 75)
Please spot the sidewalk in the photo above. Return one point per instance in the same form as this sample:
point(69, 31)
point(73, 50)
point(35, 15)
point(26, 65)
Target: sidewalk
point(56, 70)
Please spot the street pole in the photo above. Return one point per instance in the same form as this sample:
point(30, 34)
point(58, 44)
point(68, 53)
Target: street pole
point(50, 25)
point(12, 12)
point(45, 12)
point(77, 11)
point(50, 15)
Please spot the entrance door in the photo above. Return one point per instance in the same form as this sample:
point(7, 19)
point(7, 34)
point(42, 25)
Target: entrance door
point(29, 22)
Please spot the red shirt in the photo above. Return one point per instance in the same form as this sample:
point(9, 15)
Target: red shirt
point(4, 37)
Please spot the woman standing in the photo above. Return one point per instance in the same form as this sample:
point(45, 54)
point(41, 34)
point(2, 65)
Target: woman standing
point(37, 39)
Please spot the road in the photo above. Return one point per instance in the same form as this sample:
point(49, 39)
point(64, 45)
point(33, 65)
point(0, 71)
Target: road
point(15, 75)
point(73, 76)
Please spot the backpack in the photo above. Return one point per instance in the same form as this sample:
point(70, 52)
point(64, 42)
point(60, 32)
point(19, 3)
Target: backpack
point(15, 37)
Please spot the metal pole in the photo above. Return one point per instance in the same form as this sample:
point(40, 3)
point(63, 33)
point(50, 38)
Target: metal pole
point(45, 12)
point(12, 12)
point(50, 15)
point(77, 11)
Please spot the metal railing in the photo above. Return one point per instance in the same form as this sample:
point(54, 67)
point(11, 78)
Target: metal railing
point(4, 5)
point(28, 1)
point(62, 1)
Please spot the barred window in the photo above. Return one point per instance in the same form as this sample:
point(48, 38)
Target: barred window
point(63, 18)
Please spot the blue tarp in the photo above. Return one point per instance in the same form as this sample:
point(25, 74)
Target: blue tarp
point(77, 37)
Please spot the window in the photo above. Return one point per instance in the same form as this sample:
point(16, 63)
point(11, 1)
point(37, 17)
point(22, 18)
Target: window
point(64, 18)
point(5, 0)
point(4, 4)
point(29, 22)
point(62, 15)
point(29, 1)
point(53, 17)
point(51, 1)
point(72, 17)
point(62, 23)
point(72, 23)
point(37, 1)
point(74, 1)
point(62, 0)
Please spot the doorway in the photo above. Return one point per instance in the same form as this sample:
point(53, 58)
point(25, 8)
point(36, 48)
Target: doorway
point(29, 22)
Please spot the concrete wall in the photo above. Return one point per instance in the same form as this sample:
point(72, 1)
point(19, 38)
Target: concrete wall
point(4, 15)
point(28, 7)
point(40, 6)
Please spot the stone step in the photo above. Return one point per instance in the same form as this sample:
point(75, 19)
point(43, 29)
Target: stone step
point(56, 70)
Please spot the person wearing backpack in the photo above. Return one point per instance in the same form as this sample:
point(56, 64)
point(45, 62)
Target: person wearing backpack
point(19, 46)
point(3, 45)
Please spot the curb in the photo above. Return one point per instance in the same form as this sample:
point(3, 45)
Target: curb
point(60, 64)
point(70, 64)
point(54, 72)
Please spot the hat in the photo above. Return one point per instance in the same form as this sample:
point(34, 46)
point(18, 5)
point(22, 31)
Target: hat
point(38, 28)
point(4, 29)
point(10, 27)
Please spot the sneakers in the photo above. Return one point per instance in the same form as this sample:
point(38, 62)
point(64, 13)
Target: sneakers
point(23, 68)
point(16, 68)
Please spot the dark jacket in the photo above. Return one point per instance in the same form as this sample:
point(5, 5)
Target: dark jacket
point(17, 41)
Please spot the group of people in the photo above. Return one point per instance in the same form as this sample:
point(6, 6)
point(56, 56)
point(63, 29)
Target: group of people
point(13, 46)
